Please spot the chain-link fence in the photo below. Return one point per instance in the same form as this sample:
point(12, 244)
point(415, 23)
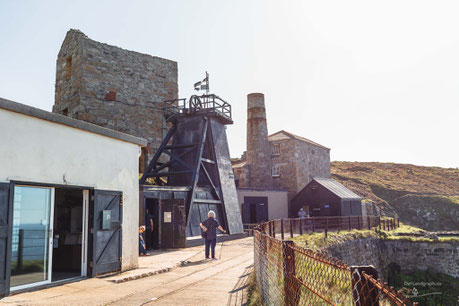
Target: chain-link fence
point(288, 274)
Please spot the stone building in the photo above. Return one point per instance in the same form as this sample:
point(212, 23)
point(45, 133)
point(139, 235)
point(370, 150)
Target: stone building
point(296, 160)
point(278, 161)
point(114, 88)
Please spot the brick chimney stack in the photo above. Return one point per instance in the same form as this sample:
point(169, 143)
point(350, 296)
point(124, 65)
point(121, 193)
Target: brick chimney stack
point(258, 147)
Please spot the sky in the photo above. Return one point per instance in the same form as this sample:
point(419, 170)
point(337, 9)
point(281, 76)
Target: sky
point(372, 80)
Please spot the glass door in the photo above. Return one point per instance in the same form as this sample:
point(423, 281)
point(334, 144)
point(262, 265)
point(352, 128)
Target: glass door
point(32, 236)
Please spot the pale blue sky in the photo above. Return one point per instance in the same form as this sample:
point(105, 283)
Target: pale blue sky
point(374, 81)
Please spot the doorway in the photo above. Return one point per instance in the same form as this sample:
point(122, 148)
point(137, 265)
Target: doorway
point(152, 238)
point(49, 237)
point(68, 238)
point(254, 210)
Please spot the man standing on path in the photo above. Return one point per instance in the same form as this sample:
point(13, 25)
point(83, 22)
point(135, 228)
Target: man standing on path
point(149, 229)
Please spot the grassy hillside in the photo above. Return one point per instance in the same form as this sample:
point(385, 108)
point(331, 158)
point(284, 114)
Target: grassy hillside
point(427, 197)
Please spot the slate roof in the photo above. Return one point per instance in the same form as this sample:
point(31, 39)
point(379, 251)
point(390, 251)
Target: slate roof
point(290, 135)
point(337, 188)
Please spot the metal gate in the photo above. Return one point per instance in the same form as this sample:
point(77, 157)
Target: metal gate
point(107, 232)
point(5, 236)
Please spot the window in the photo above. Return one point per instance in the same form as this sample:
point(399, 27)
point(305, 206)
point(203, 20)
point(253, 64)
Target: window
point(276, 171)
point(276, 149)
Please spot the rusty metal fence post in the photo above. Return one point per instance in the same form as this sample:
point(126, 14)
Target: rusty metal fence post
point(363, 292)
point(291, 286)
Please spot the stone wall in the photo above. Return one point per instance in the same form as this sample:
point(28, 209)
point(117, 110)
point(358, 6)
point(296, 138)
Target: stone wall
point(114, 88)
point(411, 256)
point(286, 160)
point(311, 161)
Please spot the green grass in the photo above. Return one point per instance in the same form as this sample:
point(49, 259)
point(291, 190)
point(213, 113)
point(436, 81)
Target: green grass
point(253, 296)
point(317, 241)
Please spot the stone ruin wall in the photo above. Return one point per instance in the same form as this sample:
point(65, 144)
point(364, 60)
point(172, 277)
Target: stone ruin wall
point(114, 88)
point(442, 257)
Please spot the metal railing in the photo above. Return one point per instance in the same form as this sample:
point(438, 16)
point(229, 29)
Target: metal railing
point(296, 226)
point(198, 104)
point(287, 274)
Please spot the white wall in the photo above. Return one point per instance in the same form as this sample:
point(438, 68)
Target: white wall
point(277, 201)
point(36, 150)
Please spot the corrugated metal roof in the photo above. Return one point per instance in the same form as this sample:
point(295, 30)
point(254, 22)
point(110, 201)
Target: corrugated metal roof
point(337, 188)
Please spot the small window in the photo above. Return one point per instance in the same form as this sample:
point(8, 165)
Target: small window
point(276, 149)
point(276, 171)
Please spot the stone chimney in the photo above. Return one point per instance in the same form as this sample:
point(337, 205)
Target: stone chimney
point(258, 147)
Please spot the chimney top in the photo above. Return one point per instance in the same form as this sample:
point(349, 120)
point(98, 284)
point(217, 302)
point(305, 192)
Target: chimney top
point(255, 100)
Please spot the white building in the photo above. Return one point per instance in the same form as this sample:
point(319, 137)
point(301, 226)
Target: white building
point(69, 198)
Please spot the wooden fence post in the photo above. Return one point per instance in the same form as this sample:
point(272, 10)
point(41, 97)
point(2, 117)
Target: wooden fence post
point(270, 229)
point(313, 225)
point(326, 227)
point(301, 226)
point(291, 286)
point(282, 228)
point(291, 228)
point(398, 222)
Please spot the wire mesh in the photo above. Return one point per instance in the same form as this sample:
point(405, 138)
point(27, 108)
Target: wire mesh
point(288, 274)
point(325, 277)
point(269, 269)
